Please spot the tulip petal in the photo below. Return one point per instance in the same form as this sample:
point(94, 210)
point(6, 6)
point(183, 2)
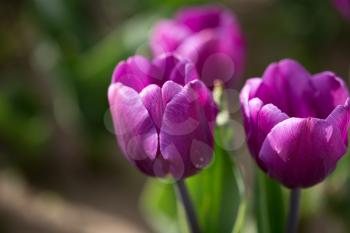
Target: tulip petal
point(340, 118)
point(153, 167)
point(302, 152)
point(331, 91)
point(151, 97)
point(212, 62)
point(247, 93)
point(184, 72)
point(199, 18)
point(167, 36)
point(278, 88)
point(134, 128)
point(137, 72)
point(169, 90)
point(263, 119)
point(185, 126)
point(166, 63)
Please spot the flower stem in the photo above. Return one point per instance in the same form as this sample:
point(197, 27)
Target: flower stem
point(292, 223)
point(186, 201)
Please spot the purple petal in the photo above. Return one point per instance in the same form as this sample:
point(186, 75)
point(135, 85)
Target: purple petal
point(134, 128)
point(206, 50)
point(151, 97)
point(331, 91)
point(302, 152)
point(184, 72)
point(157, 167)
point(230, 31)
point(166, 64)
point(248, 92)
point(185, 130)
point(279, 88)
point(263, 119)
point(340, 118)
point(169, 90)
point(167, 36)
point(137, 72)
point(199, 18)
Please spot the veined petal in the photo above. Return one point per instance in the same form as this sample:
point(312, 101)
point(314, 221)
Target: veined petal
point(166, 64)
point(134, 128)
point(340, 118)
point(247, 93)
point(169, 90)
point(184, 72)
point(185, 126)
point(262, 119)
point(301, 152)
point(151, 97)
point(279, 88)
point(331, 92)
point(136, 72)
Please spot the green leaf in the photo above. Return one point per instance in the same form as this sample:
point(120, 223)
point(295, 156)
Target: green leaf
point(216, 193)
point(269, 205)
point(159, 206)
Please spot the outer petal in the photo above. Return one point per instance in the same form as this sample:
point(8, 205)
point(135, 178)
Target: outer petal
point(151, 97)
point(136, 72)
point(302, 152)
point(172, 67)
point(340, 118)
point(184, 72)
point(199, 18)
point(186, 138)
point(169, 90)
point(248, 92)
point(134, 128)
point(263, 119)
point(207, 51)
point(279, 88)
point(230, 31)
point(167, 36)
point(331, 91)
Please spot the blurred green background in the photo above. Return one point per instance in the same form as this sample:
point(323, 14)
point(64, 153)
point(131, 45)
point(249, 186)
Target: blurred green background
point(60, 168)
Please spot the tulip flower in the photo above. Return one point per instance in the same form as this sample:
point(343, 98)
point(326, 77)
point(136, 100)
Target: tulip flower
point(296, 123)
point(209, 36)
point(163, 115)
point(343, 6)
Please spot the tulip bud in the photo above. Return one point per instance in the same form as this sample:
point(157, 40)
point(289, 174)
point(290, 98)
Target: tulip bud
point(163, 116)
point(210, 37)
point(296, 123)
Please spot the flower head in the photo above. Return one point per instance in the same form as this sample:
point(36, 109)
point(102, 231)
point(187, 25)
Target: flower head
point(296, 123)
point(163, 115)
point(209, 36)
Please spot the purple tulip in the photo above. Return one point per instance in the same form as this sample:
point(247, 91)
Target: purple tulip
point(209, 36)
point(163, 116)
point(343, 6)
point(296, 123)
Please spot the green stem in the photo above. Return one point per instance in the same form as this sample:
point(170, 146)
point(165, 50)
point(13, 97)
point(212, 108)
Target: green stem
point(186, 201)
point(292, 223)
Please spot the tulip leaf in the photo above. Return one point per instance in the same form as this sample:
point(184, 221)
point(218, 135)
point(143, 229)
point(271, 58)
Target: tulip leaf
point(269, 205)
point(159, 206)
point(216, 193)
